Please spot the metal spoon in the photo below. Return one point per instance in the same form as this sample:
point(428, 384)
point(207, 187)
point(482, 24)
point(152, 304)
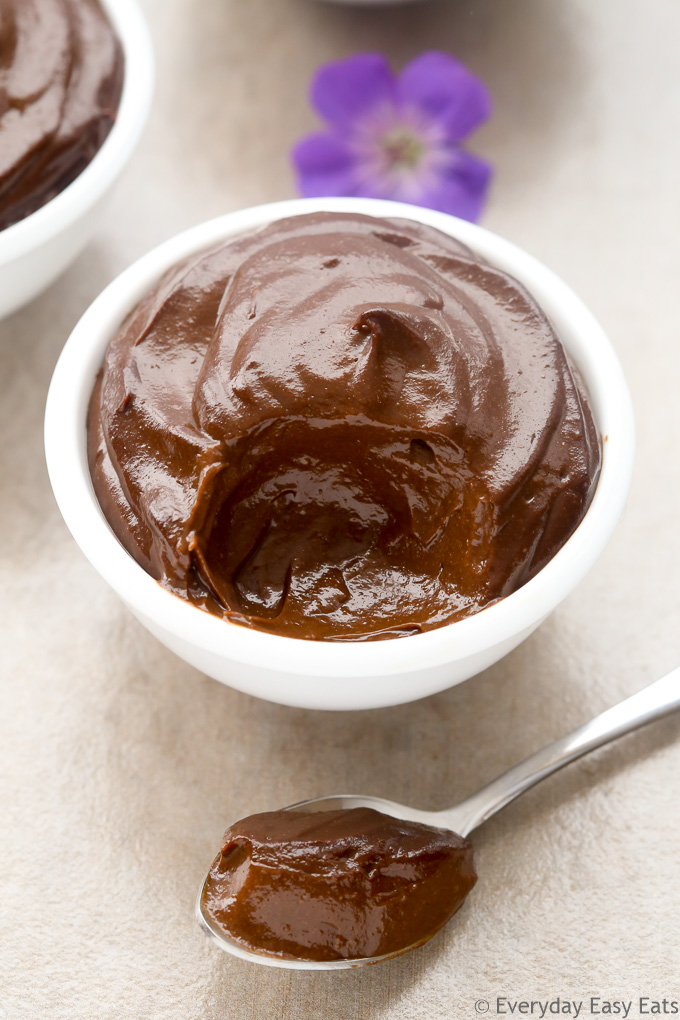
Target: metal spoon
point(653, 702)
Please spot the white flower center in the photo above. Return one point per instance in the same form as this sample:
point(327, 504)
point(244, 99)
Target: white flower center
point(402, 149)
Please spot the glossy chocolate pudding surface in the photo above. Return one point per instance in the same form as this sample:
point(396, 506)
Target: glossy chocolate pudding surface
point(340, 427)
point(61, 77)
point(336, 884)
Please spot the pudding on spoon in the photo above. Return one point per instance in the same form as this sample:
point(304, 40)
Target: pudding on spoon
point(329, 885)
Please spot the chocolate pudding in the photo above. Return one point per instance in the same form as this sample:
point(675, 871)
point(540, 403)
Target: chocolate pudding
point(340, 427)
point(336, 885)
point(61, 76)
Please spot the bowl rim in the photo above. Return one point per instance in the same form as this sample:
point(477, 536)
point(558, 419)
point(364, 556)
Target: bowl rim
point(65, 447)
point(95, 179)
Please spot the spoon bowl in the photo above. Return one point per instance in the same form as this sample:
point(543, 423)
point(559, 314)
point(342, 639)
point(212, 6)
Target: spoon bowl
point(653, 702)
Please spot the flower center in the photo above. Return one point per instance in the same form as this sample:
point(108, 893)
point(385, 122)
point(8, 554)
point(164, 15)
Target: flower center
point(402, 149)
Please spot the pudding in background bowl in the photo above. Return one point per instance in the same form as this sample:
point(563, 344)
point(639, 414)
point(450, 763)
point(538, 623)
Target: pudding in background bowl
point(63, 71)
point(78, 80)
point(350, 673)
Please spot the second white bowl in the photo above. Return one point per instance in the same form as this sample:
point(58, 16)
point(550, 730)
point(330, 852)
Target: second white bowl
point(37, 249)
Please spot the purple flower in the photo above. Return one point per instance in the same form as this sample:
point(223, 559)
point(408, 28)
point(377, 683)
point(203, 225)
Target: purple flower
point(397, 137)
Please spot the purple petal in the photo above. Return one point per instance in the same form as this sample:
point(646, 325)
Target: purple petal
point(444, 88)
point(346, 89)
point(461, 187)
point(324, 166)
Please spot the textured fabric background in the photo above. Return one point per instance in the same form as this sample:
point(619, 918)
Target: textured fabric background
point(122, 766)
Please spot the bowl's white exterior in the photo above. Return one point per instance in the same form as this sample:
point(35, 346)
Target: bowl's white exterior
point(37, 249)
point(342, 692)
point(316, 674)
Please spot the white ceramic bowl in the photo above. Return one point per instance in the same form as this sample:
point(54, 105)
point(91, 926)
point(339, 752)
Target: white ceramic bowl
point(37, 249)
point(328, 675)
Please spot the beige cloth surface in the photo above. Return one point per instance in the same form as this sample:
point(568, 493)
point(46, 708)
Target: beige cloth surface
point(122, 765)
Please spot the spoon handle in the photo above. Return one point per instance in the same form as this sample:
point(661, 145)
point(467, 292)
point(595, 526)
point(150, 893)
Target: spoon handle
point(652, 702)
